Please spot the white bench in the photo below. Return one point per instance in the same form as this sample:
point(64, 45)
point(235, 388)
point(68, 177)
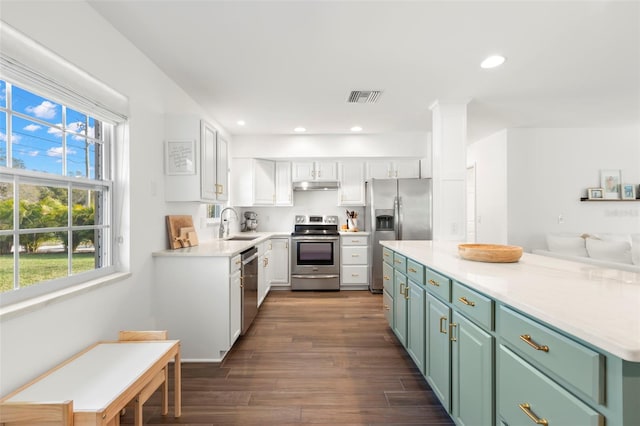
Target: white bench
point(98, 383)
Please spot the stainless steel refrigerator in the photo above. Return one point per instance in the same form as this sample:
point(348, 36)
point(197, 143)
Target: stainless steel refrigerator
point(396, 209)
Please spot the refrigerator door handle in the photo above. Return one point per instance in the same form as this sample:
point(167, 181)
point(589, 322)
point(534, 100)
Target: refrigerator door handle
point(397, 217)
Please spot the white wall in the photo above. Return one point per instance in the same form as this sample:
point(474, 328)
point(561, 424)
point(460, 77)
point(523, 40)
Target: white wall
point(60, 329)
point(489, 155)
point(416, 145)
point(529, 180)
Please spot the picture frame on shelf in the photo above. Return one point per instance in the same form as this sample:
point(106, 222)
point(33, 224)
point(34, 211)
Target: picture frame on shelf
point(628, 191)
point(180, 157)
point(595, 193)
point(610, 181)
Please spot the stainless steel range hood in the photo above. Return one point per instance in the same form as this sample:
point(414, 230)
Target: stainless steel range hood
point(316, 185)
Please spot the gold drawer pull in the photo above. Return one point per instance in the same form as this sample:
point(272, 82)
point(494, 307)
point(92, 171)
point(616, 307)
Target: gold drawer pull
point(434, 283)
point(527, 339)
point(355, 255)
point(386, 255)
point(387, 308)
point(527, 410)
point(355, 275)
point(466, 302)
point(386, 277)
point(443, 330)
point(397, 261)
point(412, 270)
point(355, 241)
point(406, 292)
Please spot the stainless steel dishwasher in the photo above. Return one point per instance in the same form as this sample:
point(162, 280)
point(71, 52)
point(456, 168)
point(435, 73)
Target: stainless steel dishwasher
point(249, 285)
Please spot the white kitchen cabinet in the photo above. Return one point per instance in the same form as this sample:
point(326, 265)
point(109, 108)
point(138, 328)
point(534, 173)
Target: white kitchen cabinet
point(391, 169)
point(351, 176)
point(197, 299)
point(264, 270)
point(314, 170)
point(253, 182)
point(284, 192)
point(354, 262)
point(279, 262)
point(209, 181)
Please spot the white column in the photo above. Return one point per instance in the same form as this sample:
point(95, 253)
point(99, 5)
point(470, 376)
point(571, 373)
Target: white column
point(449, 151)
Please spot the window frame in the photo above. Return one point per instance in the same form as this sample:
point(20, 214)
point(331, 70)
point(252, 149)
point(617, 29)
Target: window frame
point(104, 180)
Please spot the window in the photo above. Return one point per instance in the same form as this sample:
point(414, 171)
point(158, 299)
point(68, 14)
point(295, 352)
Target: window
point(56, 193)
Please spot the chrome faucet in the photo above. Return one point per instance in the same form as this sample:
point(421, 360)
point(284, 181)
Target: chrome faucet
point(221, 231)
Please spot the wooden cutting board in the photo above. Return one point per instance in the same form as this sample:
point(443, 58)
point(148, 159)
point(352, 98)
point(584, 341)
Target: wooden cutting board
point(181, 231)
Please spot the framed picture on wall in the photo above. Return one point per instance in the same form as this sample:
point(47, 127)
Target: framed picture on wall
point(610, 181)
point(595, 193)
point(628, 191)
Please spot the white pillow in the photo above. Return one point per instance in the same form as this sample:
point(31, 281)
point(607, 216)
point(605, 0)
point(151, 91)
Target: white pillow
point(614, 251)
point(572, 245)
point(635, 249)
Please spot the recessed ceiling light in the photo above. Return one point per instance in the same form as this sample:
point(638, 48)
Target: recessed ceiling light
point(356, 129)
point(493, 61)
point(241, 122)
point(299, 129)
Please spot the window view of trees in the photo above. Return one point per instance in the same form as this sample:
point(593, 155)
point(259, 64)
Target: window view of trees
point(54, 190)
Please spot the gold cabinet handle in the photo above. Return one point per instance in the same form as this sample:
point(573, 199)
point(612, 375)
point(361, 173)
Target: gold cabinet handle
point(386, 255)
point(527, 339)
point(442, 329)
point(387, 308)
point(406, 292)
point(527, 410)
point(467, 302)
point(452, 336)
point(238, 262)
point(434, 283)
point(355, 255)
point(412, 270)
point(355, 275)
point(386, 277)
point(396, 261)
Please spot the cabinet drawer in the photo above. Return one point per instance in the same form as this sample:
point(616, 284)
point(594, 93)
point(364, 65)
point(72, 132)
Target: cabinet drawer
point(236, 262)
point(359, 240)
point(473, 304)
point(400, 262)
point(415, 271)
point(575, 363)
point(354, 255)
point(438, 284)
point(387, 255)
point(354, 274)
point(387, 307)
point(387, 277)
point(524, 394)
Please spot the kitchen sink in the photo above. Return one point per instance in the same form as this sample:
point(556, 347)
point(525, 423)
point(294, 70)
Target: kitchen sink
point(242, 238)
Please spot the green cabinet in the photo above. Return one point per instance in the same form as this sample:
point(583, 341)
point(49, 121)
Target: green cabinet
point(400, 307)
point(415, 324)
point(471, 373)
point(438, 349)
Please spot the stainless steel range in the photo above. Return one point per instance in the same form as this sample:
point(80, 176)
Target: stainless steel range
point(315, 258)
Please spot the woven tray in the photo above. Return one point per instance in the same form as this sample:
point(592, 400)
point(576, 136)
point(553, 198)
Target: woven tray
point(493, 253)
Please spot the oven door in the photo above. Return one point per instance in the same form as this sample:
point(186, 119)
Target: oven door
point(315, 255)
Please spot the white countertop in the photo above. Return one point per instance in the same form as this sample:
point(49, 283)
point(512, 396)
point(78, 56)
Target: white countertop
point(598, 305)
point(223, 247)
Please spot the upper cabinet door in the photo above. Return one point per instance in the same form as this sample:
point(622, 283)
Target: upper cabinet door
point(314, 170)
point(208, 188)
point(379, 169)
point(406, 168)
point(222, 170)
point(351, 192)
point(284, 196)
point(326, 170)
point(302, 171)
point(264, 182)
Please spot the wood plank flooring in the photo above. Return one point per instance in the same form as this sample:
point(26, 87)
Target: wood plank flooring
point(316, 358)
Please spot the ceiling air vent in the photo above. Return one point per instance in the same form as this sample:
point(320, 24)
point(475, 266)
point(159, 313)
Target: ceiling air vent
point(364, 96)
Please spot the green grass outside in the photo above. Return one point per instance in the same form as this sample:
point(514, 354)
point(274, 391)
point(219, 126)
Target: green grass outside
point(38, 267)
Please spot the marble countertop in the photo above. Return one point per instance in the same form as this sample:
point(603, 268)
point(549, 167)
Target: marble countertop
point(598, 305)
point(222, 247)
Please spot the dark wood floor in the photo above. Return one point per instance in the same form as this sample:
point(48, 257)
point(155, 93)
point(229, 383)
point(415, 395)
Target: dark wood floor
point(321, 358)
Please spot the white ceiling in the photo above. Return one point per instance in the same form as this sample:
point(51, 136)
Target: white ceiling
point(282, 64)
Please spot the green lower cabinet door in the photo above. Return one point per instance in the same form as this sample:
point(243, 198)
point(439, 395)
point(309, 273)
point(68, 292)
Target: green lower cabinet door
point(415, 325)
point(472, 373)
point(438, 353)
point(526, 396)
point(400, 307)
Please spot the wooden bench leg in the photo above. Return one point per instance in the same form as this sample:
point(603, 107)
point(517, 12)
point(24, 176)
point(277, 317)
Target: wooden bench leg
point(165, 392)
point(137, 412)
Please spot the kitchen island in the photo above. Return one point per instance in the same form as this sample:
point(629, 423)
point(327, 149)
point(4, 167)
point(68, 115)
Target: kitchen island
point(539, 339)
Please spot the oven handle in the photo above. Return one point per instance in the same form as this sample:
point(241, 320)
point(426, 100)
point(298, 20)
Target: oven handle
point(315, 277)
point(316, 237)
